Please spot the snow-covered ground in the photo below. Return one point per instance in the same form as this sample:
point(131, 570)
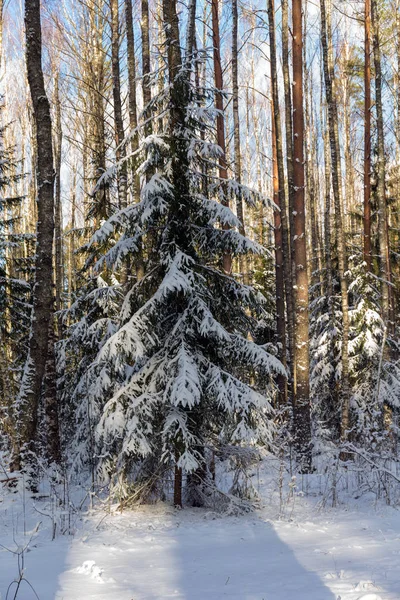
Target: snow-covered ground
point(156, 552)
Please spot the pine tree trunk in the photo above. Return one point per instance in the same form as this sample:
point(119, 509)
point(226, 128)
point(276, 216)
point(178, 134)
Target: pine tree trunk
point(133, 119)
point(236, 133)
point(367, 136)
point(118, 121)
point(218, 81)
point(282, 252)
point(349, 206)
point(313, 246)
point(42, 311)
point(146, 66)
point(385, 271)
point(132, 100)
point(71, 247)
point(96, 123)
point(58, 241)
point(279, 269)
point(326, 37)
point(302, 419)
point(290, 277)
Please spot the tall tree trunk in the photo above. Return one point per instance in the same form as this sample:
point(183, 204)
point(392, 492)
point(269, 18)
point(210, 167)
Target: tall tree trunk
point(58, 241)
point(191, 34)
point(367, 136)
point(236, 121)
point(178, 80)
point(302, 419)
point(132, 100)
point(218, 81)
point(348, 209)
point(96, 125)
point(146, 66)
point(290, 278)
point(243, 262)
point(42, 311)
point(133, 120)
point(326, 37)
point(327, 209)
point(282, 246)
point(279, 261)
point(53, 447)
point(71, 247)
point(385, 271)
point(118, 121)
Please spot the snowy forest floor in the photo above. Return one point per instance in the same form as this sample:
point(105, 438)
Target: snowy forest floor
point(303, 550)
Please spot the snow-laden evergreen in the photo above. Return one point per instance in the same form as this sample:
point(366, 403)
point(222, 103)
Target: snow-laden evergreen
point(374, 371)
point(15, 279)
point(374, 368)
point(172, 372)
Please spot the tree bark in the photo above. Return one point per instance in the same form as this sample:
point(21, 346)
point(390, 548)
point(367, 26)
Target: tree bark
point(120, 151)
point(302, 418)
point(243, 262)
point(133, 120)
point(42, 311)
point(71, 246)
point(367, 136)
point(385, 271)
point(290, 279)
point(146, 66)
point(132, 100)
point(282, 251)
point(58, 241)
point(218, 81)
point(326, 37)
point(279, 262)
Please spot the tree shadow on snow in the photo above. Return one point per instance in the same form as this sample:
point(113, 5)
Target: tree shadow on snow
point(241, 559)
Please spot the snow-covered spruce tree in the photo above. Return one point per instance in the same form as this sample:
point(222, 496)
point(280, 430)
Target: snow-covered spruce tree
point(91, 320)
point(375, 378)
point(325, 350)
point(14, 287)
point(180, 377)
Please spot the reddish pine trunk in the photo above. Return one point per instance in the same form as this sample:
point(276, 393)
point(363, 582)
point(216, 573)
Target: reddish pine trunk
point(218, 81)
